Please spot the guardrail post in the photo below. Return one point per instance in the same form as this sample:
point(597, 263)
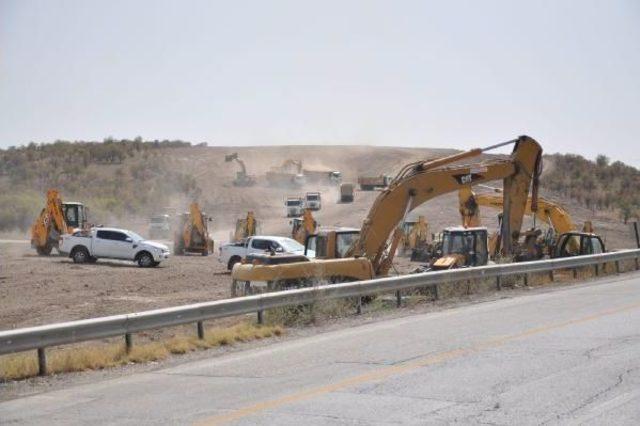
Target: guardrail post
point(526, 280)
point(200, 330)
point(596, 269)
point(42, 362)
point(498, 283)
point(398, 299)
point(551, 277)
point(128, 342)
point(575, 273)
point(436, 296)
point(260, 317)
point(359, 306)
point(617, 266)
point(637, 264)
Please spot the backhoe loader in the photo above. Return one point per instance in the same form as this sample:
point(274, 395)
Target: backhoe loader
point(303, 227)
point(371, 253)
point(415, 238)
point(242, 178)
point(192, 235)
point(245, 228)
point(55, 219)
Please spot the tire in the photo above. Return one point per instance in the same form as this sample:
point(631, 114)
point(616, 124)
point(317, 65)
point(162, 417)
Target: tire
point(92, 259)
point(44, 251)
point(80, 255)
point(233, 261)
point(145, 260)
point(178, 249)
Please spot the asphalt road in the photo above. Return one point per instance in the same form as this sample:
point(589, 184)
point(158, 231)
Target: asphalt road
point(566, 356)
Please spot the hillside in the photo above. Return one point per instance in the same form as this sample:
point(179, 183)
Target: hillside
point(124, 182)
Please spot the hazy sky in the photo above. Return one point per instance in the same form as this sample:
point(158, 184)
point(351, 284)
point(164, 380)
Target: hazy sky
point(453, 74)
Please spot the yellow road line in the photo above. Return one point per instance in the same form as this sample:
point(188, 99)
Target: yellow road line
point(385, 372)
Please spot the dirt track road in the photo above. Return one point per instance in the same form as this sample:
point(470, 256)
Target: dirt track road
point(36, 290)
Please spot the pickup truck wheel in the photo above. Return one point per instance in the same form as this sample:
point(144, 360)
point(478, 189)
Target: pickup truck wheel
point(233, 261)
point(80, 255)
point(145, 260)
point(92, 259)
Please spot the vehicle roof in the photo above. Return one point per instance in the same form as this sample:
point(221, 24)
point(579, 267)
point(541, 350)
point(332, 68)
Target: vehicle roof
point(463, 229)
point(104, 228)
point(326, 229)
point(272, 237)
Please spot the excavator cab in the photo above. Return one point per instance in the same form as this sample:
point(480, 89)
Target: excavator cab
point(462, 247)
point(75, 215)
point(331, 244)
point(578, 244)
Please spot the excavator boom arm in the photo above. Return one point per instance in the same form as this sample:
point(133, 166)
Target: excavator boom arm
point(423, 181)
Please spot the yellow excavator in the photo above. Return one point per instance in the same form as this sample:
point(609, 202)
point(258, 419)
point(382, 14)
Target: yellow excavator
point(371, 253)
point(303, 227)
point(535, 245)
point(242, 178)
point(289, 173)
point(192, 234)
point(55, 219)
point(245, 228)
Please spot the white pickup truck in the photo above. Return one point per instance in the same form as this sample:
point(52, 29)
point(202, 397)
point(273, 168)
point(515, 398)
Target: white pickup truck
point(113, 243)
point(232, 253)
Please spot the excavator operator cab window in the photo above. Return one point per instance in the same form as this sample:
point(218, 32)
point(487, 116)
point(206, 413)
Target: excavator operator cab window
point(579, 244)
point(71, 215)
point(344, 241)
point(317, 244)
point(470, 244)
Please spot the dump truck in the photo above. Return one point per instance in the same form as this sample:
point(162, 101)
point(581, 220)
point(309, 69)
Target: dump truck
point(371, 253)
point(370, 183)
point(56, 219)
point(346, 193)
point(326, 177)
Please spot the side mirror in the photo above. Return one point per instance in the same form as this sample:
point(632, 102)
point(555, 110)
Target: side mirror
point(129, 239)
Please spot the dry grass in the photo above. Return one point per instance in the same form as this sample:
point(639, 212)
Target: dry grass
point(97, 357)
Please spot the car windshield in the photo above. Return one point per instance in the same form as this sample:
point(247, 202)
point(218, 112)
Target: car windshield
point(293, 203)
point(291, 245)
point(134, 236)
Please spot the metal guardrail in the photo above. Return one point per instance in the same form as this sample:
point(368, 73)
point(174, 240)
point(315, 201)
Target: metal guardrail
point(117, 325)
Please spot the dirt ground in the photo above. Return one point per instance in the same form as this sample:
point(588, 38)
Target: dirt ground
point(39, 290)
